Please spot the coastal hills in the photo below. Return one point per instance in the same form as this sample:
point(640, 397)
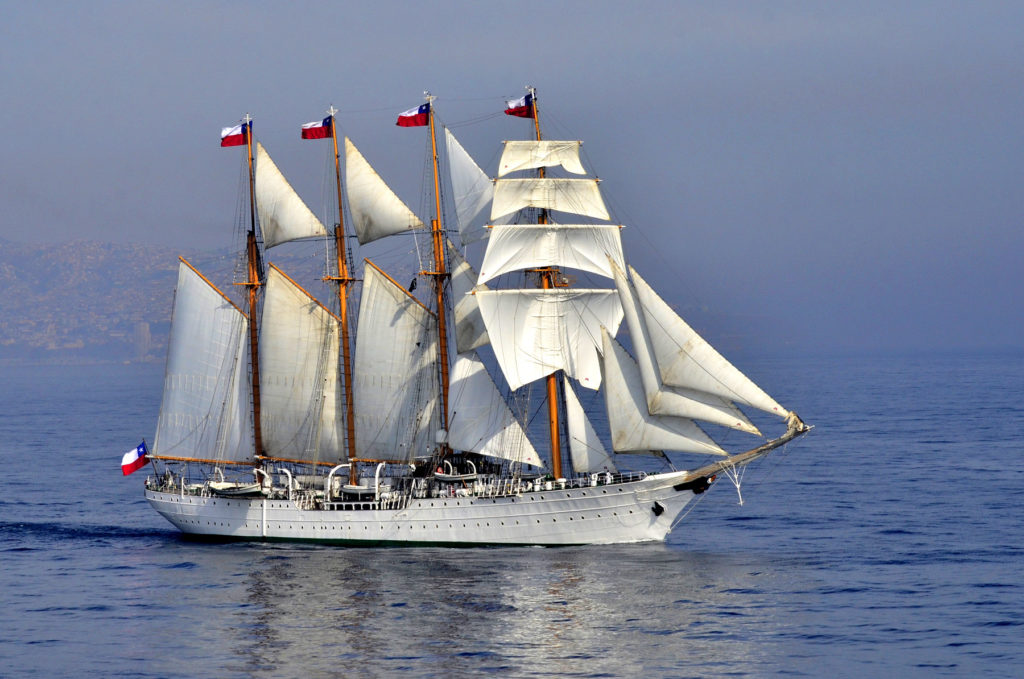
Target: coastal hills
point(86, 301)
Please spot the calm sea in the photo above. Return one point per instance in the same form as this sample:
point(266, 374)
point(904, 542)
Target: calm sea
point(888, 542)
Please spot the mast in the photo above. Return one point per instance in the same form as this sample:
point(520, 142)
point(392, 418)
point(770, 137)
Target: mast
point(440, 273)
point(253, 282)
point(547, 282)
point(344, 281)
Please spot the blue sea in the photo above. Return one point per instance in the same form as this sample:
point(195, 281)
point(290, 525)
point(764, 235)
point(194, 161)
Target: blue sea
point(889, 542)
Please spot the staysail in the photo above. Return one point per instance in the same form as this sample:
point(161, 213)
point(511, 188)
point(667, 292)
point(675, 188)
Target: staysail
point(470, 331)
point(634, 429)
point(685, 359)
point(283, 215)
point(396, 388)
point(205, 412)
point(299, 390)
point(471, 189)
point(480, 420)
point(661, 398)
point(376, 210)
point(585, 447)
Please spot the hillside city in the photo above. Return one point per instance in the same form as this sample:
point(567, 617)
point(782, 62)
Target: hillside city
point(85, 301)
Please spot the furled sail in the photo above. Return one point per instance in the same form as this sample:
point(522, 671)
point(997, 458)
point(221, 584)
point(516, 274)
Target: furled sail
point(685, 359)
point(471, 188)
point(634, 429)
point(299, 391)
point(205, 413)
point(667, 400)
point(376, 210)
point(585, 447)
point(396, 389)
point(587, 247)
point(536, 332)
point(283, 215)
point(526, 155)
point(470, 331)
point(578, 196)
point(479, 419)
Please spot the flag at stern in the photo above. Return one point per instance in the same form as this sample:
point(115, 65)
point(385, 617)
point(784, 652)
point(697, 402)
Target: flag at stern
point(135, 459)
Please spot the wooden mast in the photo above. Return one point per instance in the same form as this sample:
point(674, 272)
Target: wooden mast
point(253, 282)
point(440, 272)
point(548, 282)
point(344, 280)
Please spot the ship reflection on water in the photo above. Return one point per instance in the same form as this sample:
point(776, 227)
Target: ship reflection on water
point(446, 612)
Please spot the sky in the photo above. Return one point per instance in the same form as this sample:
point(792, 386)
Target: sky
point(828, 177)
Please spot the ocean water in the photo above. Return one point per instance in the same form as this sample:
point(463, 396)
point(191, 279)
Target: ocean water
point(888, 542)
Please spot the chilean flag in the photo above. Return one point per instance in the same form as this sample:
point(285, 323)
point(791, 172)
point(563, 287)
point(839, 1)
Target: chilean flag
point(235, 136)
point(414, 117)
point(318, 129)
point(522, 108)
point(135, 459)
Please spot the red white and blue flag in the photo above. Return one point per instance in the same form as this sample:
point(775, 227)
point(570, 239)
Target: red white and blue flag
point(522, 107)
point(135, 459)
point(235, 136)
point(415, 117)
point(318, 129)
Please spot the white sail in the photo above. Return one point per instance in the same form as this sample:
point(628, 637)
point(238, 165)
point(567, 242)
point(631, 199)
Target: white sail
point(584, 246)
point(585, 447)
point(634, 430)
point(205, 413)
point(376, 210)
point(661, 398)
point(299, 394)
point(685, 359)
point(283, 215)
point(470, 331)
point(395, 384)
point(471, 188)
point(479, 419)
point(526, 155)
point(536, 332)
point(578, 196)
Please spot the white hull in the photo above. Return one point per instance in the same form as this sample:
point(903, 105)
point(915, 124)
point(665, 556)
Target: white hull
point(642, 510)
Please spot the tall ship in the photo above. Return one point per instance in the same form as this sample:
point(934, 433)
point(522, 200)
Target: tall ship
point(457, 418)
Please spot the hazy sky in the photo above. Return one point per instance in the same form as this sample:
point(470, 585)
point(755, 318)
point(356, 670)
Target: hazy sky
point(839, 176)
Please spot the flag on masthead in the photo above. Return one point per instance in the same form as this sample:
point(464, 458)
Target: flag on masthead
point(414, 117)
point(318, 129)
point(522, 107)
point(235, 136)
